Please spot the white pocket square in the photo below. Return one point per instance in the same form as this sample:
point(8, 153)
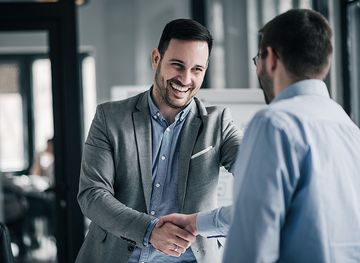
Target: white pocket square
point(201, 152)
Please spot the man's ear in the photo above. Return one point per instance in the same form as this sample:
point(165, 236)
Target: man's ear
point(155, 58)
point(272, 60)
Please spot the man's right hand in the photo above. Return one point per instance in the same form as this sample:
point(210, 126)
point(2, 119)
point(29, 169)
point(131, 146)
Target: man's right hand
point(171, 239)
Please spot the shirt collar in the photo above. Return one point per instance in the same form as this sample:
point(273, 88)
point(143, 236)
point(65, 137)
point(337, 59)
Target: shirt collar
point(313, 87)
point(156, 114)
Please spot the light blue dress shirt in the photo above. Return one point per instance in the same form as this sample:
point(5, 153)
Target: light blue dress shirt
point(297, 182)
point(164, 197)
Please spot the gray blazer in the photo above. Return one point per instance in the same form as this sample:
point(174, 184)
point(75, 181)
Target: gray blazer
point(115, 180)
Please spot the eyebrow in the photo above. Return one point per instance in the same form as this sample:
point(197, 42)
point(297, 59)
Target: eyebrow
point(182, 62)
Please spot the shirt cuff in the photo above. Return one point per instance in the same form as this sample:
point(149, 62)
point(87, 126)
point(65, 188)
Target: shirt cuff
point(214, 223)
point(146, 241)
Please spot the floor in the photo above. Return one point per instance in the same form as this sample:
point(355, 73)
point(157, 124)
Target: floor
point(43, 251)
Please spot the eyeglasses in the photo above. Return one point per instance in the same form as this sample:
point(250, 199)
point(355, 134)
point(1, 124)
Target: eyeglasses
point(258, 55)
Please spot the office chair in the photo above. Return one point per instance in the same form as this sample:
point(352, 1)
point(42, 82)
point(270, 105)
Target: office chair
point(6, 255)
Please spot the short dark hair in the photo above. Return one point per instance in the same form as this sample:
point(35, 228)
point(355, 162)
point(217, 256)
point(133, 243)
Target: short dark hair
point(302, 39)
point(184, 29)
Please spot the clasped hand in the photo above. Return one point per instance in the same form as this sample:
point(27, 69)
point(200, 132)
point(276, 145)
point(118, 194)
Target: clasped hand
point(174, 233)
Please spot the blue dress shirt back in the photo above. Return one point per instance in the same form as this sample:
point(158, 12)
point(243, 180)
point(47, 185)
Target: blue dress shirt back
point(297, 186)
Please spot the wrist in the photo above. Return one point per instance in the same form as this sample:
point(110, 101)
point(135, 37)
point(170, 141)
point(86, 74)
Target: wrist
point(193, 219)
point(148, 233)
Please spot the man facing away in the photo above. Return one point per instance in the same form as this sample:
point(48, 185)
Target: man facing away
point(297, 175)
point(154, 154)
point(302, 204)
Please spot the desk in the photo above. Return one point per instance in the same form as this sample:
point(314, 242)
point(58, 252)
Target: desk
point(28, 199)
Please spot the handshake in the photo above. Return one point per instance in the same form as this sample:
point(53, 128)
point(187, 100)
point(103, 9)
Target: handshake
point(174, 233)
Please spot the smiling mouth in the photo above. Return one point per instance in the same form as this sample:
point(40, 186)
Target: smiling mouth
point(179, 88)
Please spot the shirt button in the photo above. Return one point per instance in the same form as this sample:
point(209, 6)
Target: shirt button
point(168, 129)
point(152, 212)
point(157, 185)
point(163, 157)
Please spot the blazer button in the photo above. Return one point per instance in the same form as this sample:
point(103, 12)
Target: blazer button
point(131, 248)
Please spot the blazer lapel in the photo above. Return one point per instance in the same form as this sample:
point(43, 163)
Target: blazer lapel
point(189, 133)
point(142, 128)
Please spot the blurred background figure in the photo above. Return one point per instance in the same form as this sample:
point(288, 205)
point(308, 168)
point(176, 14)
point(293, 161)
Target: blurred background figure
point(43, 164)
point(29, 214)
point(41, 215)
point(15, 208)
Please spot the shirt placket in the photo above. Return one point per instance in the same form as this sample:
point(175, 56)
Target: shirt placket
point(158, 185)
point(163, 163)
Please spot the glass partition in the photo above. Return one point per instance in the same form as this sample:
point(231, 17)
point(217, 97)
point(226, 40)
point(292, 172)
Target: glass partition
point(26, 146)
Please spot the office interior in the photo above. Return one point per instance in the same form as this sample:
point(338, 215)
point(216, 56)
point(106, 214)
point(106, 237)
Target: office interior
point(60, 58)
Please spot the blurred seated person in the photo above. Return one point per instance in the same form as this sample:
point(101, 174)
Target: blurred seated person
point(44, 163)
point(15, 208)
point(42, 201)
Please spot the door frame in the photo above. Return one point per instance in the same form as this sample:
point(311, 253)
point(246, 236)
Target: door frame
point(58, 19)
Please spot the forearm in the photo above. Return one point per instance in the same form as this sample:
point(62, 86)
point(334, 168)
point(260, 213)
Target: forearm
point(215, 222)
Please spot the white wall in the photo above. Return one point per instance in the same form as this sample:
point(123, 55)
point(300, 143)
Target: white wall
point(122, 34)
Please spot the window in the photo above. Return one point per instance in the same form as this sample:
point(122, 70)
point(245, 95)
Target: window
point(42, 101)
point(234, 25)
point(26, 107)
point(354, 63)
point(13, 144)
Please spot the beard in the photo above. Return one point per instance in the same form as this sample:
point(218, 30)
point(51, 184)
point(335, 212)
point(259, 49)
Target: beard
point(164, 89)
point(267, 87)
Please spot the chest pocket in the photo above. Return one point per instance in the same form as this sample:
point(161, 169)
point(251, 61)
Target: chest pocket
point(203, 157)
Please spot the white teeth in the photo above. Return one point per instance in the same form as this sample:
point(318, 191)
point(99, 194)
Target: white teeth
point(179, 88)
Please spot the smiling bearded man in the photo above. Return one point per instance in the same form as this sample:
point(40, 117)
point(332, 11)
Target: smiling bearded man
point(154, 154)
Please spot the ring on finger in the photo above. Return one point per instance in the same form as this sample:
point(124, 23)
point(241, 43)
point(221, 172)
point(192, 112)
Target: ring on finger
point(176, 248)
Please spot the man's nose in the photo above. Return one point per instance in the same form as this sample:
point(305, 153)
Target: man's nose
point(186, 76)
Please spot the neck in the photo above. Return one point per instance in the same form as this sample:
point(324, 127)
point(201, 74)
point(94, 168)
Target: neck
point(282, 79)
point(168, 112)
